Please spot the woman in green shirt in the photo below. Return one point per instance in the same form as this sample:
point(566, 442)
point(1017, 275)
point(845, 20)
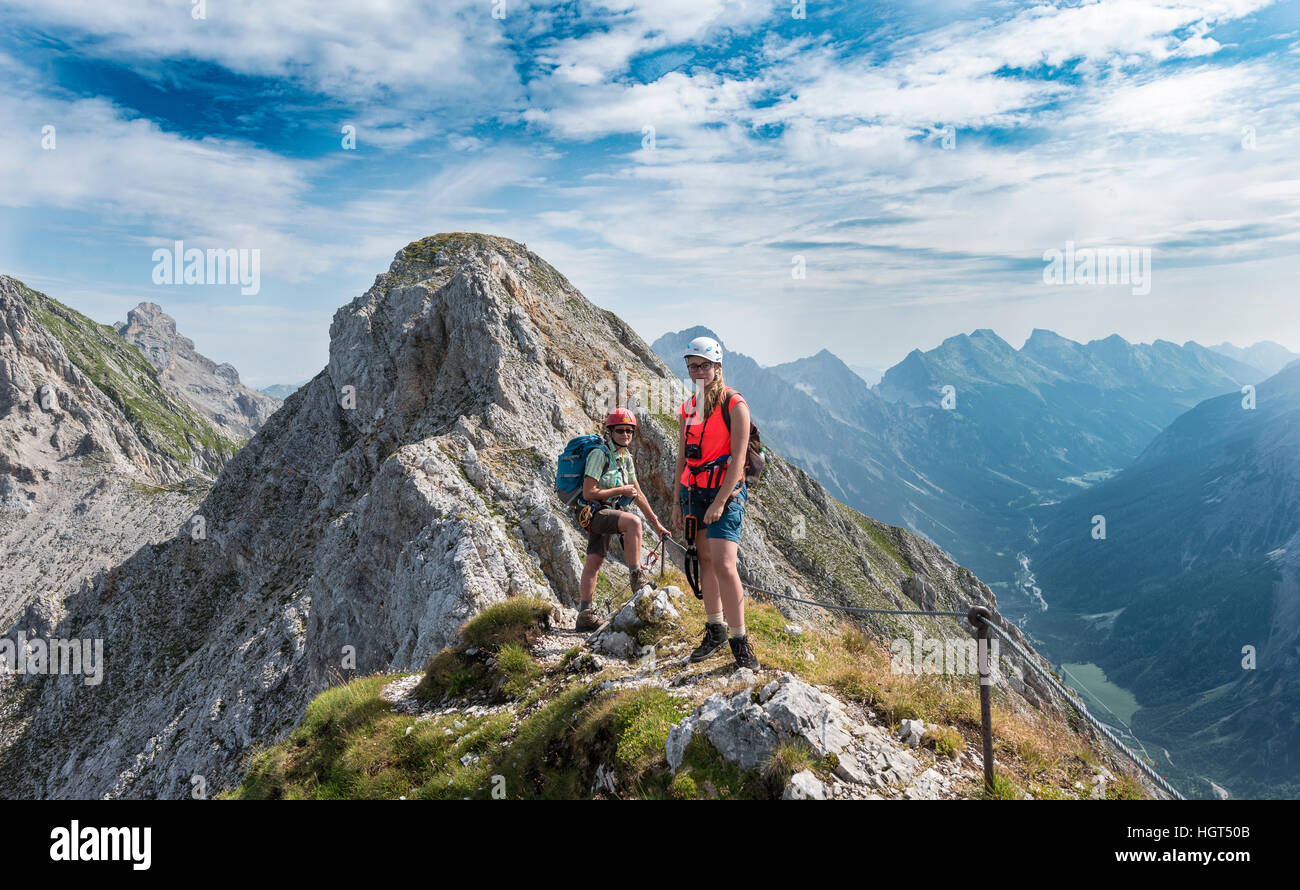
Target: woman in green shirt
point(609, 483)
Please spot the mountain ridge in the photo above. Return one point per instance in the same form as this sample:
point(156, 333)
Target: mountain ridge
point(97, 458)
point(406, 487)
point(1201, 559)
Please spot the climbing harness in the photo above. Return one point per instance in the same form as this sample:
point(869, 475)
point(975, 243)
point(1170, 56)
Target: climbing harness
point(714, 471)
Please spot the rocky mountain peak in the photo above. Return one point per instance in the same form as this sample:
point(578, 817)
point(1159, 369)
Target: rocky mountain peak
point(1044, 337)
point(213, 389)
point(70, 387)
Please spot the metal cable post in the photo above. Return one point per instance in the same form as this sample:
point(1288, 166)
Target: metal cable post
point(978, 617)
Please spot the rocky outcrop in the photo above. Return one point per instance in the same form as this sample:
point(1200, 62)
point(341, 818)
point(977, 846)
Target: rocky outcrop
point(96, 458)
point(402, 490)
point(747, 727)
point(213, 389)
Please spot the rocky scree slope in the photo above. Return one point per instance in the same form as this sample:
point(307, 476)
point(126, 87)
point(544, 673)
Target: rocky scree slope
point(96, 458)
point(405, 488)
point(213, 389)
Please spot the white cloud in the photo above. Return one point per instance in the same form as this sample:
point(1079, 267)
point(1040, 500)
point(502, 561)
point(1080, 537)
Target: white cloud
point(1140, 145)
point(669, 104)
point(626, 28)
point(438, 55)
point(128, 169)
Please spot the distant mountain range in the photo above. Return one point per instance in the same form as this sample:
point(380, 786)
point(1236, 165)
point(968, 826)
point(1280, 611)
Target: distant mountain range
point(1025, 426)
point(1201, 558)
point(282, 391)
point(1268, 356)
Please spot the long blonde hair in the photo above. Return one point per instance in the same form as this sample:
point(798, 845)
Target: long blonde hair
point(713, 392)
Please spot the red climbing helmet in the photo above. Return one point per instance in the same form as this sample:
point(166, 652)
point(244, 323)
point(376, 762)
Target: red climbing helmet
point(621, 417)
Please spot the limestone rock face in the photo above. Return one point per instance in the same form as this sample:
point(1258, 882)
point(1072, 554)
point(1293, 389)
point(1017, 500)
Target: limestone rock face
point(213, 389)
point(96, 457)
point(406, 487)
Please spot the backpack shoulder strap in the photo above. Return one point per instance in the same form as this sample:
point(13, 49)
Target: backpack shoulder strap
point(612, 460)
point(727, 395)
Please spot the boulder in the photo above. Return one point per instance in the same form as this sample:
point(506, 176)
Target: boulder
point(745, 732)
point(912, 732)
point(645, 608)
point(804, 786)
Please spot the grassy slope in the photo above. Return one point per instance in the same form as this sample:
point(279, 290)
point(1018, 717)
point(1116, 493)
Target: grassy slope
point(559, 728)
point(118, 369)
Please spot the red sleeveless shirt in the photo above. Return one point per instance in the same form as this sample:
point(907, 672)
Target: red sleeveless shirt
point(712, 434)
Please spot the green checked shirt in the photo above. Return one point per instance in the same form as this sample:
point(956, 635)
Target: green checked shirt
point(611, 474)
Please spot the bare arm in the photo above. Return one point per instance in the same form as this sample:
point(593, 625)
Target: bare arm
point(643, 504)
point(591, 493)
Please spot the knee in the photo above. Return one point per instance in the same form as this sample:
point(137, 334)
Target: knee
point(630, 525)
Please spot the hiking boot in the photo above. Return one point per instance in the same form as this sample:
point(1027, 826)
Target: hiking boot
point(586, 620)
point(744, 653)
point(715, 637)
point(637, 580)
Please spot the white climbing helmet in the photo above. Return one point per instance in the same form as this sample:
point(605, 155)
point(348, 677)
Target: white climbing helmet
point(705, 347)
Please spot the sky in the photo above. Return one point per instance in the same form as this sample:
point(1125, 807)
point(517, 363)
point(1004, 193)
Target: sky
point(680, 161)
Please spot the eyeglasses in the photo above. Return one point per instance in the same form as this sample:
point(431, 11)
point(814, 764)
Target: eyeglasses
point(698, 366)
point(623, 429)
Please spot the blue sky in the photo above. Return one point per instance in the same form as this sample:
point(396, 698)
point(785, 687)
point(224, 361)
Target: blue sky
point(1171, 126)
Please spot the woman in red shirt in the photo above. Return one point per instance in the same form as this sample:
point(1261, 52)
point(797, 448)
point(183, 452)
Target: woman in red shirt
point(713, 489)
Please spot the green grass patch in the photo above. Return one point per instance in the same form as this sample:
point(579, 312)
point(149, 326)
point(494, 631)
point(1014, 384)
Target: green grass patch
point(945, 740)
point(492, 657)
point(518, 669)
point(538, 763)
point(630, 727)
point(1002, 789)
point(521, 620)
point(351, 745)
point(1125, 787)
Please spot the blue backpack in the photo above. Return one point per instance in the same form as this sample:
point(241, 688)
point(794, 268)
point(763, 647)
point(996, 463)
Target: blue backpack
point(572, 465)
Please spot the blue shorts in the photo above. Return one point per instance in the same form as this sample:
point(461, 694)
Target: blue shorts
point(728, 526)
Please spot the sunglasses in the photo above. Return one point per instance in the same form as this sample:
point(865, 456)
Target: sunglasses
point(698, 366)
point(623, 429)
